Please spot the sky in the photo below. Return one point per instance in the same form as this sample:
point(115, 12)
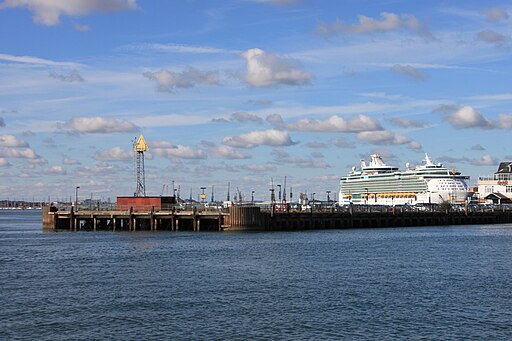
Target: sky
point(246, 92)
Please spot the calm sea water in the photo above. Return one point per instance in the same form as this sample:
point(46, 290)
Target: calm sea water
point(435, 283)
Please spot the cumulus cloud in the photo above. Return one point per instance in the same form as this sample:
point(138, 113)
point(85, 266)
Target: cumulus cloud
point(477, 147)
point(315, 145)
point(407, 123)
point(48, 12)
point(169, 81)
point(70, 161)
point(72, 76)
point(98, 169)
point(98, 125)
point(245, 117)
point(241, 116)
point(466, 117)
point(167, 150)
point(12, 141)
point(307, 162)
point(495, 14)
point(276, 120)
point(382, 137)
point(492, 37)
point(113, 154)
point(342, 143)
point(4, 162)
point(266, 70)
point(336, 124)
point(407, 70)
point(259, 167)
point(271, 137)
point(367, 25)
point(504, 121)
point(55, 170)
point(227, 152)
point(414, 145)
point(486, 160)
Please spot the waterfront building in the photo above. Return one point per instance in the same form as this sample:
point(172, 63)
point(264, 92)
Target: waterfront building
point(497, 188)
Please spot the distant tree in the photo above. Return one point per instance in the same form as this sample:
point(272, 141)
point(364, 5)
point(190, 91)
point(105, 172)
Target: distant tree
point(445, 206)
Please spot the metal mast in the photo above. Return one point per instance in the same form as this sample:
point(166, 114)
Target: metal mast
point(139, 147)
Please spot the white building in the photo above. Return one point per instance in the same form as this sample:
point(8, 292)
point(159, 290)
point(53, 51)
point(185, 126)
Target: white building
point(497, 188)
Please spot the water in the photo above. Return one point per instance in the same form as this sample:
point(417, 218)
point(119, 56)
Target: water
point(433, 283)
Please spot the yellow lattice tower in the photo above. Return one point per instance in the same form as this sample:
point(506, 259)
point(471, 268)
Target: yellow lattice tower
point(139, 147)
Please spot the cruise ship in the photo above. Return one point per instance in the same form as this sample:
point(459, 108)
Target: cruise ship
point(381, 184)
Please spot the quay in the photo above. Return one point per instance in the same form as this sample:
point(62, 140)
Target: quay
point(253, 218)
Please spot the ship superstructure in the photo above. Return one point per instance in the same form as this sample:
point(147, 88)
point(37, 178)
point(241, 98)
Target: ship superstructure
point(381, 184)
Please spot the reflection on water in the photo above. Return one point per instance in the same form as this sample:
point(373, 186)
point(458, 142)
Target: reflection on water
point(402, 283)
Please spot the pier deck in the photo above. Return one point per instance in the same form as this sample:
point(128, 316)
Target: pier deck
point(253, 218)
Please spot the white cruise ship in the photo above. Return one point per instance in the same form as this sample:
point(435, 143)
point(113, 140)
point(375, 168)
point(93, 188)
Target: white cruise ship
point(380, 184)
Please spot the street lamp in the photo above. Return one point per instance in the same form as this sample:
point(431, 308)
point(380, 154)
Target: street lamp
point(76, 198)
point(252, 197)
point(328, 197)
point(203, 195)
point(366, 201)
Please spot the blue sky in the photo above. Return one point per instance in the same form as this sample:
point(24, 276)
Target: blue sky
point(243, 91)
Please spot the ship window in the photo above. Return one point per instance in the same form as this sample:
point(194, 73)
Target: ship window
point(508, 189)
point(488, 189)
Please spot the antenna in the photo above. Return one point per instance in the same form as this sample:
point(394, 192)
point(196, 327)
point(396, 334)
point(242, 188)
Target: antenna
point(227, 199)
point(139, 147)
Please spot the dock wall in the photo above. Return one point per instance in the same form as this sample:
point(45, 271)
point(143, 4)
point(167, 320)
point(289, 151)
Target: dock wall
point(246, 218)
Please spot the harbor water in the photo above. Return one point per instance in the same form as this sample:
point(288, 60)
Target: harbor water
point(430, 283)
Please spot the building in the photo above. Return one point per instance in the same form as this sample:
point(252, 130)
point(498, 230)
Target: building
point(497, 188)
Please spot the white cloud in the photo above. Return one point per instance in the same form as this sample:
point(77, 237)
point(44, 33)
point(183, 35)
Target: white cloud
point(72, 76)
point(407, 123)
point(495, 14)
point(177, 48)
point(283, 157)
point(4, 162)
point(407, 70)
point(486, 160)
point(70, 161)
point(98, 125)
point(493, 37)
point(227, 152)
point(12, 141)
point(366, 25)
point(336, 124)
point(505, 121)
point(48, 12)
point(467, 117)
point(266, 70)
point(168, 81)
point(245, 117)
point(258, 168)
point(36, 61)
point(55, 170)
point(342, 143)
point(99, 169)
point(113, 154)
point(26, 153)
point(165, 149)
point(382, 137)
point(271, 137)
